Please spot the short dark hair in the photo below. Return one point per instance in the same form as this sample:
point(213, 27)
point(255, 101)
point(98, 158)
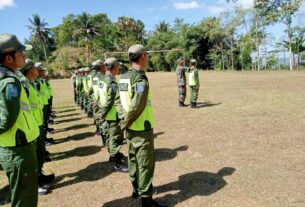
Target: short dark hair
point(3, 55)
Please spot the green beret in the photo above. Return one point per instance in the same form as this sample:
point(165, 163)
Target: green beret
point(135, 51)
point(111, 62)
point(10, 43)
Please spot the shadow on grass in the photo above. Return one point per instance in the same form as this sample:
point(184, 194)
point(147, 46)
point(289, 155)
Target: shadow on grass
point(157, 134)
point(77, 152)
point(206, 104)
point(67, 120)
point(5, 195)
point(163, 154)
point(74, 127)
point(91, 173)
point(65, 110)
point(75, 137)
point(67, 115)
point(198, 183)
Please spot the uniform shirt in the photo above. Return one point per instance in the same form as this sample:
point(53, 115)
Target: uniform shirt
point(93, 74)
point(139, 88)
point(10, 88)
point(181, 79)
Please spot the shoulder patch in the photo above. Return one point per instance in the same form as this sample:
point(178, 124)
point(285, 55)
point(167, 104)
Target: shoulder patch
point(140, 87)
point(12, 91)
point(102, 85)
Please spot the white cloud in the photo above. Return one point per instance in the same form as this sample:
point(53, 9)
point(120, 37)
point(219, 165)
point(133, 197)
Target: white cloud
point(215, 10)
point(186, 5)
point(5, 3)
point(243, 3)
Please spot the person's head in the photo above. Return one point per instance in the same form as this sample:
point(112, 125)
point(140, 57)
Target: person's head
point(11, 51)
point(29, 70)
point(99, 66)
point(40, 69)
point(137, 54)
point(193, 62)
point(112, 65)
point(180, 61)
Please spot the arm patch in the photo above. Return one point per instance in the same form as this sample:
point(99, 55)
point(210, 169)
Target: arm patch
point(12, 91)
point(140, 87)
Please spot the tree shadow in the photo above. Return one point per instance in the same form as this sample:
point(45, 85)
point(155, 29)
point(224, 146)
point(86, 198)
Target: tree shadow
point(157, 134)
point(77, 152)
point(74, 127)
point(206, 104)
point(189, 185)
point(75, 137)
point(5, 195)
point(68, 120)
point(163, 154)
point(91, 173)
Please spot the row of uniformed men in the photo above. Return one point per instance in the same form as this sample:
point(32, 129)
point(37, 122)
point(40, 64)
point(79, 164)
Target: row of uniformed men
point(26, 103)
point(122, 106)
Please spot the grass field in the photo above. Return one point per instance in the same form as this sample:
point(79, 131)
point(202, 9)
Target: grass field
point(244, 146)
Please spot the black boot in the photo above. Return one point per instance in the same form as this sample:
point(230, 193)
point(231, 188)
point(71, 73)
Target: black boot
point(193, 105)
point(45, 179)
point(120, 167)
point(181, 104)
point(135, 193)
point(149, 202)
point(43, 190)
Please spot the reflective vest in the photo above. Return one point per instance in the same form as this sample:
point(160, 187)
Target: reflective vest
point(103, 94)
point(191, 77)
point(25, 122)
point(95, 86)
point(85, 86)
point(146, 115)
point(36, 103)
point(89, 81)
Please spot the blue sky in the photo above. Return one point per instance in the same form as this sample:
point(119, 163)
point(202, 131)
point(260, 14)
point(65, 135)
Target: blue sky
point(14, 14)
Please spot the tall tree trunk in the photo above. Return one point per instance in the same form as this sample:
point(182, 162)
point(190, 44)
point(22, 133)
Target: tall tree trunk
point(257, 42)
point(44, 51)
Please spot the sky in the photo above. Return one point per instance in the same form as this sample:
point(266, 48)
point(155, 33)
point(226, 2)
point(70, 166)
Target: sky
point(15, 14)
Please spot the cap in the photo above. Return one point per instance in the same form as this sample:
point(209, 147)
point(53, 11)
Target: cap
point(10, 43)
point(29, 64)
point(135, 51)
point(97, 63)
point(180, 60)
point(193, 61)
point(111, 62)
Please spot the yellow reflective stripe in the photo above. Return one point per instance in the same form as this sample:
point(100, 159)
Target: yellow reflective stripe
point(24, 106)
point(34, 106)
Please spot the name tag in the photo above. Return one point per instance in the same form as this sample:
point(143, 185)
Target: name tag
point(123, 86)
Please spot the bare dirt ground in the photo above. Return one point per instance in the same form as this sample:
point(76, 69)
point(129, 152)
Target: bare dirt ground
point(244, 146)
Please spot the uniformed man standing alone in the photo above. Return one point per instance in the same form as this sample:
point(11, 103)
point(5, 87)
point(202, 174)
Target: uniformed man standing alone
point(181, 82)
point(194, 83)
point(18, 127)
point(139, 124)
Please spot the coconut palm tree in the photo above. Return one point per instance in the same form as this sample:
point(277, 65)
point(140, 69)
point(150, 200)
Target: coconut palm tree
point(40, 31)
point(87, 30)
point(162, 27)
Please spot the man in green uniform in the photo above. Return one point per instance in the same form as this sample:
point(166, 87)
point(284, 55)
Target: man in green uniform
point(193, 79)
point(99, 67)
point(108, 112)
point(139, 124)
point(36, 104)
point(18, 127)
point(181, 81)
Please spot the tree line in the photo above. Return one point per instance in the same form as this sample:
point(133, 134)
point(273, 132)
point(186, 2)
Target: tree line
point(237, 39)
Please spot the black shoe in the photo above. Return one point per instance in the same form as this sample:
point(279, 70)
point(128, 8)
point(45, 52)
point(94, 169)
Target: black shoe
point(47, 159)
point(120, 158)
point(43, 190)
point(120, 167)
point(135, 193)
point(50, 129)
point(49, 142)
point(181, 104)
point(149, 202)
point(193, 104)
point(45, 179)
point(51, 121)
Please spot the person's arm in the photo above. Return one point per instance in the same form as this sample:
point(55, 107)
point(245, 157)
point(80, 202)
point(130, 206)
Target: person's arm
point(9, 104)
point(138, 101)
